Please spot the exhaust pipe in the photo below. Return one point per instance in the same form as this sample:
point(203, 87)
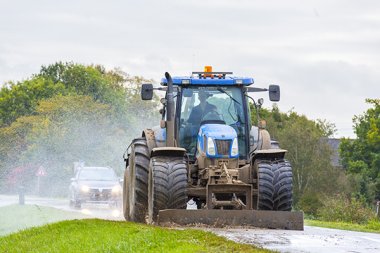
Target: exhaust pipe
point(170, 141)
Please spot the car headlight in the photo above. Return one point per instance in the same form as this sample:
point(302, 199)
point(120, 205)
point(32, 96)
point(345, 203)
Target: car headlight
point(210, 146)
point(116, 189)
point(85, 188)
point(234, 148)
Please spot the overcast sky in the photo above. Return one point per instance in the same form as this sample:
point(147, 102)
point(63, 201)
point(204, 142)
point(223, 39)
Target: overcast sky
point(324, 54)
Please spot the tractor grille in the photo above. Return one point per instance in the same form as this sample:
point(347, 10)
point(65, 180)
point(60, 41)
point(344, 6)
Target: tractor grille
point(223, 147)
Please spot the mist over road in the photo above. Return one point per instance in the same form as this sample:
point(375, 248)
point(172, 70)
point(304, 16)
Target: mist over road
point(102, 211)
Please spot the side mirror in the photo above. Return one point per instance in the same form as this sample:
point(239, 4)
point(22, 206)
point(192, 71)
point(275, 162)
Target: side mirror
point(274, 93)
point(260, 102)
point(147, 91)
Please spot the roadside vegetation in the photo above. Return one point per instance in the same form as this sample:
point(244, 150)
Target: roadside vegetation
point(373, 226)
point(342, 213)
point(113, 236)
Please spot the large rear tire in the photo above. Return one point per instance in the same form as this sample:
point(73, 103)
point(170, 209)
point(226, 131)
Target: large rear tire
point(264, 181)
point(135, 187)
point(283, 186)
point(167, 185)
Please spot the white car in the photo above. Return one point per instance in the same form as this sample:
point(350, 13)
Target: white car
point(95, 185)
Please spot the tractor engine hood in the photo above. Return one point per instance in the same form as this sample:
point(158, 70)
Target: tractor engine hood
point(218, 141)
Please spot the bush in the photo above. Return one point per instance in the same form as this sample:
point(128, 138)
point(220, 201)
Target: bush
point(342, 209)
point(309, 204)
point(373, 224)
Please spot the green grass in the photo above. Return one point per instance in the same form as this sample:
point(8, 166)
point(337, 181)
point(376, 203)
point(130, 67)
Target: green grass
point(373, 226)
point(16, 217)
point(114, 236)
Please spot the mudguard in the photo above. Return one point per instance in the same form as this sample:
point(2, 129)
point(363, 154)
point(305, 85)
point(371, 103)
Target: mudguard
point(268, 154)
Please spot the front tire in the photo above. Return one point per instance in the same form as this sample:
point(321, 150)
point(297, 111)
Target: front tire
point(264, 183)
point(74, 201)
point(283, 186)
point(167, 185)
point(135, 187)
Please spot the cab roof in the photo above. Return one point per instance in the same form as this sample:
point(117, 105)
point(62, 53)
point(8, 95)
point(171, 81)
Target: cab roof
point(209, 78)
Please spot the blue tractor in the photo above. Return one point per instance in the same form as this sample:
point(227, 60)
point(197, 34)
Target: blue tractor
point(206, 155)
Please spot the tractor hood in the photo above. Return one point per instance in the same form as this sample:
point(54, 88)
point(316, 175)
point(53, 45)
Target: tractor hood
point(218, 131)
point(218, 141)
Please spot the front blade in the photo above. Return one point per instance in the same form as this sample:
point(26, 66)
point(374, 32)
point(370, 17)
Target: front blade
point(220, 218)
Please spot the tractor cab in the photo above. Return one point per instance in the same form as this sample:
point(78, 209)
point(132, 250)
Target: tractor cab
point(212, 98)
point(200, 106)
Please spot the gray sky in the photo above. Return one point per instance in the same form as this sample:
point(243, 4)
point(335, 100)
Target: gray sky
point(324, 54)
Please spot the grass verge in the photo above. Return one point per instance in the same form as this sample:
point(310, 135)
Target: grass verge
point(372, 226)
point(93, 235)
point(16, 217)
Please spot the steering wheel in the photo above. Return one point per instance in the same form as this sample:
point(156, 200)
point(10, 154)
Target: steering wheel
point(212, 117)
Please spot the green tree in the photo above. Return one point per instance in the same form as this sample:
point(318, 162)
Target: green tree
point(104, 86)
point(309, 155)
point(361, 156)
point(19, 99)
point(12, 145)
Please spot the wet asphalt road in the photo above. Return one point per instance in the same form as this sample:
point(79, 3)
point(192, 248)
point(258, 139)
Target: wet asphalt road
point(312, 239)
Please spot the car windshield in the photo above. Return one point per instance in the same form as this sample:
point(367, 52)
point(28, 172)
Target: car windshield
point(200, 105)
point(97, 174)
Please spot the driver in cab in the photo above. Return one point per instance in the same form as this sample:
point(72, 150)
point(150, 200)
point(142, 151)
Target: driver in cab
point(199, 111)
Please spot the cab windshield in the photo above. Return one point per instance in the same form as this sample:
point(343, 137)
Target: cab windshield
point(202, 105)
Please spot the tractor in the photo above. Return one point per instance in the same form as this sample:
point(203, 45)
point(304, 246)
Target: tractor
point(206, 162)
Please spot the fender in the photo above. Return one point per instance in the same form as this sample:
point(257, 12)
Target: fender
point(150, 139)
point(168, 151)
point(259, 138)
point(265, 139)
point(268, 154)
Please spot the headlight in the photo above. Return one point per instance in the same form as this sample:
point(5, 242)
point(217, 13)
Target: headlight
point(85, 188)
point(116, 189)
point(235, 148)
point(210, 146)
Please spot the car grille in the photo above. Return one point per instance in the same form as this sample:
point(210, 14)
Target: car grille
point(103, 194)
point(223, 147)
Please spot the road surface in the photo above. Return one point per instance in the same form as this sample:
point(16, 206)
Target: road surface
point(312, 239)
